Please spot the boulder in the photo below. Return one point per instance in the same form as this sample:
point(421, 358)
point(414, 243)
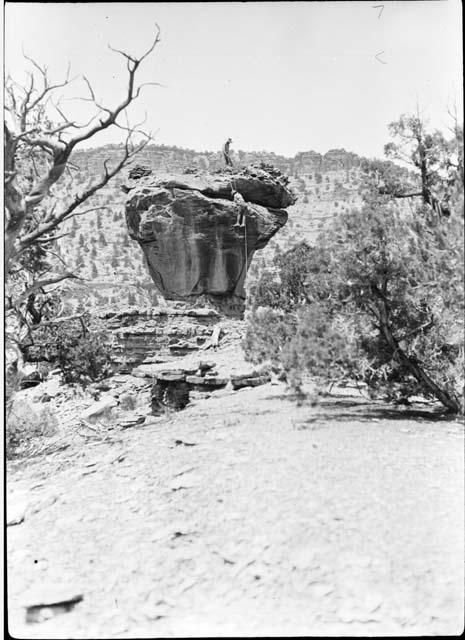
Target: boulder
point(186, 227)
point(250, 381)
point(99, 408)
point(206, 365)
point(250, 377)
point(30, 376)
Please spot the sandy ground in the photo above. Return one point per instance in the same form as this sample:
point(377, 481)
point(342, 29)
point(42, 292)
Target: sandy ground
point(246, 515)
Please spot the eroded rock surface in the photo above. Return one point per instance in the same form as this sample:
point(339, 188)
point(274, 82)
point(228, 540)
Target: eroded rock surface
point(186, 227)
point(160, 334)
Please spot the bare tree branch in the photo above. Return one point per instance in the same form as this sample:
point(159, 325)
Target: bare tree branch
point(133, 65)
point(19, 206)
point(37, 154)
point(39, 284)
point(30, 238)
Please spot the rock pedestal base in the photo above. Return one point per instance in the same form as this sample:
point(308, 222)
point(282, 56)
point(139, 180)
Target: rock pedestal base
point(169, 394)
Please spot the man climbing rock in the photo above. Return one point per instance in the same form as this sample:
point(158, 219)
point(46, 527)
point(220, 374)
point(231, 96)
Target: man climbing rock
point(241, 209)
point(227, 153)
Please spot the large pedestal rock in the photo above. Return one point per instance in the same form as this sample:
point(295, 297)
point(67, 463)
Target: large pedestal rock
point(186, 228)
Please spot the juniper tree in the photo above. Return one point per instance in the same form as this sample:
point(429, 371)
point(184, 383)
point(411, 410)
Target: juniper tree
point(379, 298)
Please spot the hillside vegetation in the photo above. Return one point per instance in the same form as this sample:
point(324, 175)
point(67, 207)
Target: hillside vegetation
point(98, 247)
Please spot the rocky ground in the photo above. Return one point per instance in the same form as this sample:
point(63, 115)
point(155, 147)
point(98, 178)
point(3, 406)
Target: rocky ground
point(242, 515)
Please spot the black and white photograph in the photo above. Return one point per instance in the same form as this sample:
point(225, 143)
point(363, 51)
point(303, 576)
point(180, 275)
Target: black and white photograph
point(233, 319)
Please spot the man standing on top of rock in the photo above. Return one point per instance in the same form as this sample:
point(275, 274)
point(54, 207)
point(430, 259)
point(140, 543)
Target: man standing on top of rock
point(227, 153)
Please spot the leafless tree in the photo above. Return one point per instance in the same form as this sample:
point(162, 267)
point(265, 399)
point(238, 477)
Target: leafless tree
point(37, 154)
point(437, 161)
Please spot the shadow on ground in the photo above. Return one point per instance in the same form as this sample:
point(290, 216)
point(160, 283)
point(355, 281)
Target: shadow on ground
point(339, 409)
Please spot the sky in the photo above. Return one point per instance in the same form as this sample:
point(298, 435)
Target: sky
point(275, 76)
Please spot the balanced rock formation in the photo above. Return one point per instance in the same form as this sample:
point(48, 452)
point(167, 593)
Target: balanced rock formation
point(185, 225)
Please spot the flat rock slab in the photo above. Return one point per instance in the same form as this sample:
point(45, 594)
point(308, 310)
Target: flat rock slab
point(152, 370)
point(171, 376)
point(96, 409)
point(207, 381)
point(188, 366)
point(238, 382)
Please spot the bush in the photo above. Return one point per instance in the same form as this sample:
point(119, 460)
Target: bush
point(268, 334)
point(24, 424)
point(82, 354)
point(379, 299)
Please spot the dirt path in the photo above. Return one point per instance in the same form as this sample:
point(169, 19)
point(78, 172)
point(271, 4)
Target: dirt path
point(246, 515)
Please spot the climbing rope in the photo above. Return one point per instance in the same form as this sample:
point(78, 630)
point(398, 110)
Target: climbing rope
point(233, 188)
point(245, 245)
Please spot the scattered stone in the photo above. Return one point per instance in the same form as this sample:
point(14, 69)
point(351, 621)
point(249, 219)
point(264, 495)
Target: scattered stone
point(216, 335)
point(30, 377)
point(141, 171)
point(132, 421)
point(215, 381)
point(118, 458)
point(238, 382)
point(16, 512)
point(206, 365)
point(186, 444)
point(102, 386)
point(47, 605)
point(52, 387)
point(96, 409)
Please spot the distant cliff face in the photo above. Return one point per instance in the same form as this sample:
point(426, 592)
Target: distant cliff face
point(176, 159)
point(187, 228)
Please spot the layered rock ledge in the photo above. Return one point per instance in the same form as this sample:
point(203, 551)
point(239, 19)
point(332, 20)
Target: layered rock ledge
point(186, 227)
